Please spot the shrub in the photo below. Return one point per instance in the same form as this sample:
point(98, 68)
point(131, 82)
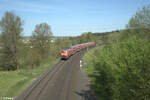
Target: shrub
point(121, 70)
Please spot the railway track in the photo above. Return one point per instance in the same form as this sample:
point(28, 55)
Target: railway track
point(41, 82)
point(58, 83)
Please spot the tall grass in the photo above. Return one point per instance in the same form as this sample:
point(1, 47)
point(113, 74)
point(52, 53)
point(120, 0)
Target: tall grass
point(13, 83)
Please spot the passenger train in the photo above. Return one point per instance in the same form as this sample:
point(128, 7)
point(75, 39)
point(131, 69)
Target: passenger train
point(65, 54)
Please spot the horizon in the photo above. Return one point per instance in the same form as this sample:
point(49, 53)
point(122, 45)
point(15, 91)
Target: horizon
point(72, 18)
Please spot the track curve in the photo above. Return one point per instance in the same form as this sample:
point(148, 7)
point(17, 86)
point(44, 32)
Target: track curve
point(64, 81)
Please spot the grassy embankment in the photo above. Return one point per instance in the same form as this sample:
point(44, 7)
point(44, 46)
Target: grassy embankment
point(120, 70)
point(13, 82)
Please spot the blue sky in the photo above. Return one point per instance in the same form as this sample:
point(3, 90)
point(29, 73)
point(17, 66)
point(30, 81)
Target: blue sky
point(73, 17)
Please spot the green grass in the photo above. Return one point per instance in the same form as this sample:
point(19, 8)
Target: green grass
point(13, 82)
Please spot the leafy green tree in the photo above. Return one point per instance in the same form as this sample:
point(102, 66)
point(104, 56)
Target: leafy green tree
point(139, 24)
point(11, 28)
point(141, 19)
point(86, 37)
point(40, 41)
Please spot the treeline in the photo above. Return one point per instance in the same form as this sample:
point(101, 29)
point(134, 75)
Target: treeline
point(119, 70)
point(19, 52)
point(16, 52)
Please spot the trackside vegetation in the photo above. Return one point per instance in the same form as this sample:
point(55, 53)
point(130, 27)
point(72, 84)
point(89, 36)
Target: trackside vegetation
point(120, 69)
point(19, 80)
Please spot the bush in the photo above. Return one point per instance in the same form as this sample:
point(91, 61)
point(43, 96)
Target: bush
point(120, 71)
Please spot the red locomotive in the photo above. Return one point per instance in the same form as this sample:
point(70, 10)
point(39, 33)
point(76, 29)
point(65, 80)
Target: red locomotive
point(65, 54)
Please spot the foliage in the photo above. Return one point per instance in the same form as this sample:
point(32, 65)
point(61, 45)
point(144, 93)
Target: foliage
point(19, 80)
point(86, 37)
point(121, 70)
point(40, 44)
point(141, 19)
point(11, 28)
point(139, 24)
point(41, 38)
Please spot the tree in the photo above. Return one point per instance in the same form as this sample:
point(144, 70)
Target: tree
point(141, 19)
point(86, 37)
point(11, 28)
point(139, 24)
point(40, 40)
